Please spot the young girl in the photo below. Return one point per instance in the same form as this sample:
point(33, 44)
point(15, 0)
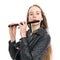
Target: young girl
point(34, 44)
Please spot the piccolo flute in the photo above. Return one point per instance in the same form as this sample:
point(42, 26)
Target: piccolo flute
point(35, 21)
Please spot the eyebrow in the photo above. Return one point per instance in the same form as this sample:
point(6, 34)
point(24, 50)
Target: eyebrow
point(36, 11)
point(30, 12)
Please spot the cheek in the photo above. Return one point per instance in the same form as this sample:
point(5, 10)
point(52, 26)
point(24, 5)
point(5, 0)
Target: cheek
point(40, 17)
point(30, 18)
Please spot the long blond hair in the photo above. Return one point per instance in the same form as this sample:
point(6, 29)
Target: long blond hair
point(43, 24)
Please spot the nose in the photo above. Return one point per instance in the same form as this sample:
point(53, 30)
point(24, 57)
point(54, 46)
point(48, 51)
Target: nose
point(34, 16)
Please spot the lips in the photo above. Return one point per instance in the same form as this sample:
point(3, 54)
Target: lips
point(34, 21)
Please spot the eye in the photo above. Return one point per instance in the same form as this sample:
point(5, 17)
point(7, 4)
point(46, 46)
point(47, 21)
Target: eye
point(31, 14)
point(37, 13)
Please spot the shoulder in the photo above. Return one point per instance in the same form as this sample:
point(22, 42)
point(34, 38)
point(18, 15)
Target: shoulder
point(43, 35)
point(40, 31)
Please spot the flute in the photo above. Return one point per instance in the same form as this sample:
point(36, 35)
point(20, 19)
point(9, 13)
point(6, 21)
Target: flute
point(34, 21)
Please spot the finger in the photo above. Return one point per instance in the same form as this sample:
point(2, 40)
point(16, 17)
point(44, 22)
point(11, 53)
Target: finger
point(14, 30)
point(24, 22)
point(14, 27)
point(18, 27)
point(21, 23)
point(10, 31)
point(10, 28)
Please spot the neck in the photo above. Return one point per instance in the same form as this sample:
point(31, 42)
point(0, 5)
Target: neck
point(35, 27)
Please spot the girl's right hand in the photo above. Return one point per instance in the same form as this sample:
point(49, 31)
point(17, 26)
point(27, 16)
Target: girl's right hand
point(12, 33)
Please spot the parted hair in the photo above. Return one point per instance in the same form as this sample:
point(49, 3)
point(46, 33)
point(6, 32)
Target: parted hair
point(43, 24)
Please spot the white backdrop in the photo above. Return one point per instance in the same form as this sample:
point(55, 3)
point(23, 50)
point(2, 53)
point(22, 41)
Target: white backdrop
point(16, 10)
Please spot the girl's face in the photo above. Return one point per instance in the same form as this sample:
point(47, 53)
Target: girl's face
point(35, 14)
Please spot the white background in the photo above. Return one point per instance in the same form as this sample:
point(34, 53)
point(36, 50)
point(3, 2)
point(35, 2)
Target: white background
point(14, 11)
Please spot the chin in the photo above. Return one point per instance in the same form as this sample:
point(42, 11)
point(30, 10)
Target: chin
point(35, 24)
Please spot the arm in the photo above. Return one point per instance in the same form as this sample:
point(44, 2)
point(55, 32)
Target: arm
point(12, 49)
point(38, 50)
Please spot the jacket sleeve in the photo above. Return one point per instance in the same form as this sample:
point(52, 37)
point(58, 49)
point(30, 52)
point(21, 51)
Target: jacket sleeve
point(38, 50)
point(12, 49)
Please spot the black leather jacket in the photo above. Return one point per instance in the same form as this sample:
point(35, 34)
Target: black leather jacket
point(32, 47)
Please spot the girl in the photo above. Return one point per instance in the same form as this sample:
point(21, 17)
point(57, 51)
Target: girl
point(34, 44)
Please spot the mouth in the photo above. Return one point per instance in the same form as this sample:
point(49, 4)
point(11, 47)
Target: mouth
point(34, 21)
point(35, 24)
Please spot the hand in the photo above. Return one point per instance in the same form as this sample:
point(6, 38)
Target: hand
point(12, 32)
point(23, 26)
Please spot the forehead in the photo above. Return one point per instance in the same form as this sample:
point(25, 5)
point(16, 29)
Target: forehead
point(34, 8)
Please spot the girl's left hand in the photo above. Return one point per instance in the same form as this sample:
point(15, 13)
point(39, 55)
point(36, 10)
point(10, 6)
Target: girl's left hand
point(23, 26)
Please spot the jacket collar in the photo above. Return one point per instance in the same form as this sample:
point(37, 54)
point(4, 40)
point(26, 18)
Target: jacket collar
point(40, 31)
